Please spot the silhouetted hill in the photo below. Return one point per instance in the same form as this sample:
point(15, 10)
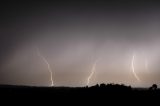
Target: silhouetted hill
point(102, 92)
point(96, 90)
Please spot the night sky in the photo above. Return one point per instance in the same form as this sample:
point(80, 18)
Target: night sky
point(78, 37)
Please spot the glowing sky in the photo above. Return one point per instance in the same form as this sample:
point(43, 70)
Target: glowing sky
point(73, 35)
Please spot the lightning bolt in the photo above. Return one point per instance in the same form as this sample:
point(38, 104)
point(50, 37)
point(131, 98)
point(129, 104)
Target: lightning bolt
point(92, 72)
point(133, 69)
point(48, 66)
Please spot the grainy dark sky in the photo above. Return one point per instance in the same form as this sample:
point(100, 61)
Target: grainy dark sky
point(72, 35)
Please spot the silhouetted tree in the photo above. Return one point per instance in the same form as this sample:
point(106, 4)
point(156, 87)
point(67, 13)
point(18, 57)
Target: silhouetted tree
point(153, 87)
point(102, 85)
point(95, 86)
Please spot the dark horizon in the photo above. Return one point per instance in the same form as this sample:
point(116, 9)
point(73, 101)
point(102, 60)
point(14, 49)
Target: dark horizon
point(102, 90)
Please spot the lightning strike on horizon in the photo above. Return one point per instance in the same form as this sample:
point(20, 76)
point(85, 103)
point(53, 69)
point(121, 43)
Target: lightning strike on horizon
point(92, 72)
point(48, 66)
point(133, 69)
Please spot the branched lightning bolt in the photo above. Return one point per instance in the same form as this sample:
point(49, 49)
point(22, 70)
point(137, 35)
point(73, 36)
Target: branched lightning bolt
point(48, 66)
point(133, 69)
point(92, 72)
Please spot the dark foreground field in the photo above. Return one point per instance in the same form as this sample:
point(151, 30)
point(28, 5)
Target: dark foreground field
point(101, 94)
point(109, 90)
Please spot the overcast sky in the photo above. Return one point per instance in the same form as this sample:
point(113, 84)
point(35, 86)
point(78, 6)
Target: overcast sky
point(71, 36)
